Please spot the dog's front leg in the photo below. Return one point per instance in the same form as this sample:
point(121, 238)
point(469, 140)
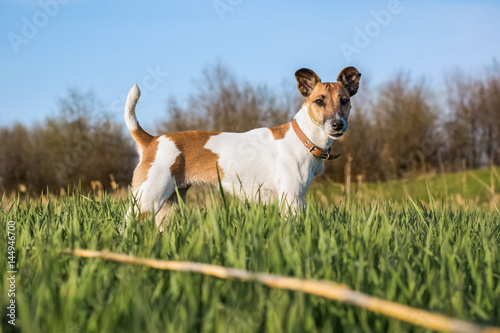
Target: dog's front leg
point(291, 201)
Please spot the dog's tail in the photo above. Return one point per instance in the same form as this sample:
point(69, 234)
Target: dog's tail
point(138, 133)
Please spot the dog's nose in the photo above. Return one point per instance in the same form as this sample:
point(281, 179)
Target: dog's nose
point(338, 125)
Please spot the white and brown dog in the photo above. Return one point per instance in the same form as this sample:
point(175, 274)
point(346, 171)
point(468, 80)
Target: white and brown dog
point(279, 161)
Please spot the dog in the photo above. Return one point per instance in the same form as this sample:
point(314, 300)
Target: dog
point(279, 161)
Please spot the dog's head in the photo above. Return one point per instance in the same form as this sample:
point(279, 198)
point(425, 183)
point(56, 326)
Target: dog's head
point(328, 104)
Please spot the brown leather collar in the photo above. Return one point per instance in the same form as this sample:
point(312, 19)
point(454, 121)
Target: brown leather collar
point(316, 151)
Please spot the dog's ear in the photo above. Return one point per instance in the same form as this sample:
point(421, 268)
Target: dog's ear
point(306, 81)
point(349, 77)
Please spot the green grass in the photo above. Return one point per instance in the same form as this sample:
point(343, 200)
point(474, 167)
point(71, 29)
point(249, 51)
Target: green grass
point(433, 257)
point(470, 188)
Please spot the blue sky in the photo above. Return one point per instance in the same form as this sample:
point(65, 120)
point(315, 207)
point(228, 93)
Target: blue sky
point(106, 46)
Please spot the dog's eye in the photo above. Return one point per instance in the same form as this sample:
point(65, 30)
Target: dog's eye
point(344, 101)
point(319, 102)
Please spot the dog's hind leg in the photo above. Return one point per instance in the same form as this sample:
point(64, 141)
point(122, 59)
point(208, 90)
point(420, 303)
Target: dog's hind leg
point(169, 207)
point(152, 195)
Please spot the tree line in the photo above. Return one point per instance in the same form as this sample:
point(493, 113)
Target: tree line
point(399, 129)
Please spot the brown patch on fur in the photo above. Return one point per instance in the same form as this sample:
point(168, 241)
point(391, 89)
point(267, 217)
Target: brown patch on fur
point(331, 94)
point(142, 137)
point(149, 149)
point(280, 131)
point(306, 81)
point(145, 216)
point(349, 77)
point(195, 164)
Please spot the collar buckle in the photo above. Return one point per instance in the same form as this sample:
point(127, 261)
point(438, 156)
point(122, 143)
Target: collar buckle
point(316, 151)
point(324, 155)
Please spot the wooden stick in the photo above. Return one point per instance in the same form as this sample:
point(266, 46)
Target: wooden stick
point(325, 289)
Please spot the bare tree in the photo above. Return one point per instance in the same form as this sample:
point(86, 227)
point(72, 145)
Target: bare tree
point(404, 117)
point(391, 129)
point(80, 144)
point(473, 124)
point(221, 102)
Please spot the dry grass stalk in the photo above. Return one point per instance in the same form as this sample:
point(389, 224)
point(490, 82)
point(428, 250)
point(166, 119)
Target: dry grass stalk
point(327, 289)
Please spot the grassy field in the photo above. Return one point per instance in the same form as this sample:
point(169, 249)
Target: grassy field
point(433, 252)
point(478, 188)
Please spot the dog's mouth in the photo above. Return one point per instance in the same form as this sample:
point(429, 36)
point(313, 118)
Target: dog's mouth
point(337, 135)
